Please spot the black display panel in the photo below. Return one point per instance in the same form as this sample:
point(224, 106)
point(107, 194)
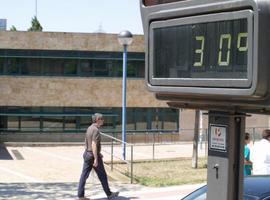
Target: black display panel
point(211, 50)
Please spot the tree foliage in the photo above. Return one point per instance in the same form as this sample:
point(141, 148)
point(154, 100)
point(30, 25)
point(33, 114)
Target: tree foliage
point(13, 28)
point(36, 26)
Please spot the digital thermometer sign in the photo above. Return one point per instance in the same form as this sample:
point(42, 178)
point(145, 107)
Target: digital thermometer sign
point(208, 54)
point(214, 47)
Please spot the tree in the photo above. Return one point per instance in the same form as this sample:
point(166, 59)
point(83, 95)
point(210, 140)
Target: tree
point(13, 28)
point(36, 26)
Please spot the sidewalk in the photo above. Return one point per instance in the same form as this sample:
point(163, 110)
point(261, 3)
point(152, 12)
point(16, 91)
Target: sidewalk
point(67, 191)
point(53, 173)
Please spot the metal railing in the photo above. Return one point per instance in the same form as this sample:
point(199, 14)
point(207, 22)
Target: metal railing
point(128, 162)
point(133, 136)
point(153, 140)
point(152, 150)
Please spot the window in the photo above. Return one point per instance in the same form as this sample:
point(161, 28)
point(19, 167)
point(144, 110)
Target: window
point(77, 119)
point(141, 119)
point(101, 68)
point(12, 67)
point(86, 67)
point(52, 123)
point(85, 123)
point(2, 61)
point(116, 66)
point(69, 63)
point(156, 119)
point(30, 66)
point(131, 70)
point(170, 119)
point(130, 119)
point(30, 123)
point(70, 123)
point(13, 123)
point(70, 66)
point(53, 66)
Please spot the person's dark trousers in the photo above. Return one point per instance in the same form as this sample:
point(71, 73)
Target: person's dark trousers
point(101, 173)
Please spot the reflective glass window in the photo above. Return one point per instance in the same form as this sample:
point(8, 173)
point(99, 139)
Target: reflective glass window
point(52, 123)
point(12, 66)
point(13, 123)
point(2, 61)
point(70, 66)
point(70, 123)
point(53, 66)
point(30, 66)
point(101, 68)
point(30, 123)
point(86, 67)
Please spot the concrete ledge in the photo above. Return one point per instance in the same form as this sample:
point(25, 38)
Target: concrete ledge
point(43, 138)
point(41, 144)
point(116, 175)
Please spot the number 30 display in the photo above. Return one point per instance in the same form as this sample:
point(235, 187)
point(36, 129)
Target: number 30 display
point(225, 40)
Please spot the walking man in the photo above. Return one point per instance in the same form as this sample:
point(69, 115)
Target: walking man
point(93, 159)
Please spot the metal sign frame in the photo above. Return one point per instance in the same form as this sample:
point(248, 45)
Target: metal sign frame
point(204, 94)
point(201, 82)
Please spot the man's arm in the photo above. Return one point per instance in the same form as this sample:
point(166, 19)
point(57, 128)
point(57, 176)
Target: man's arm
point(94, 148)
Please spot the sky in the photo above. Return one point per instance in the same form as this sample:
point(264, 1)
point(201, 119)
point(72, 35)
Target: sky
point(83, 16)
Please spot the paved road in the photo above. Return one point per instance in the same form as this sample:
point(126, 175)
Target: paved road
point(52, 173)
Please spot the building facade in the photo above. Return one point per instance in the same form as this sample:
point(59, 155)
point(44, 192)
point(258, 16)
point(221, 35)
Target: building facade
point(51, 83)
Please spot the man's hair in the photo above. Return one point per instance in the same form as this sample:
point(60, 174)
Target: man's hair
point(247, 136)
point(266, 134)
point(96, 117)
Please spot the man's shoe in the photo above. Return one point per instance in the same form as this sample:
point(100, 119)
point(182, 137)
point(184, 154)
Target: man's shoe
point(113, 195)
point(83, 198)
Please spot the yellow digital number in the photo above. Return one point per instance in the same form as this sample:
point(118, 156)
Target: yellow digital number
point(240, 36)
point(222, 38)
point(199, 51)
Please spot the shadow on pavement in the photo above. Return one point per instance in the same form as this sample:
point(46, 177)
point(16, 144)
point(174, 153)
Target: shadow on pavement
point(118, 198)
point(4, 154)
point(31, 191)
point(51, 191)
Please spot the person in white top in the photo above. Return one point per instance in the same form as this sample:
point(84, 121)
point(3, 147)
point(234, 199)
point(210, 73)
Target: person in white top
point(261, 155)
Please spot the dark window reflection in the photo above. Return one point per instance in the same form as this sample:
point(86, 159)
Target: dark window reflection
point(66, 63)
point(71, 119)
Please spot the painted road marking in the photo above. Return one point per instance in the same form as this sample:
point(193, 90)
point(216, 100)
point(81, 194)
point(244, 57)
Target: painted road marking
point(29, 178)
point(53, 155)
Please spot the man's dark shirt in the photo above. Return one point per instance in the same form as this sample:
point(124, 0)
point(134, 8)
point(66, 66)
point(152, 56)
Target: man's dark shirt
point(92, 134)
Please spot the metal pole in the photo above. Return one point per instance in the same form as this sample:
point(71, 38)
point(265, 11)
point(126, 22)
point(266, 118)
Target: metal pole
point(225, 155)
point(112, 155)
point(36, 8)
point(253, 135)
point(153, 155)
point(124, 101)
point(206, 142)
point(131, 167)
point(200, 129)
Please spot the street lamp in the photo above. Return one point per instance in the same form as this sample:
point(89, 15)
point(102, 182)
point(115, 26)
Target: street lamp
point(36, 8)
point(125, 39)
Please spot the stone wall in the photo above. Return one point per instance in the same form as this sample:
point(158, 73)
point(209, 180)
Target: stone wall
point(67, 41)
point(69, 92)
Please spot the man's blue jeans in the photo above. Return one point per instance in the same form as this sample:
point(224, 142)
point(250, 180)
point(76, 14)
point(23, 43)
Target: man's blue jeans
point(101, 173)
